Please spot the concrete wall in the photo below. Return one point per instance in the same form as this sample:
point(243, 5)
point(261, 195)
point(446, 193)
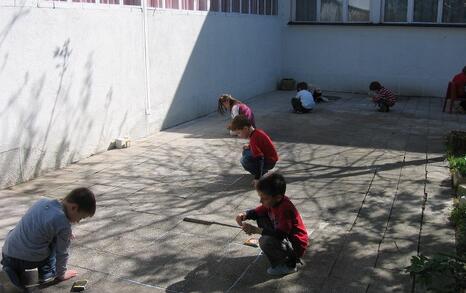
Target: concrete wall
point(74, 79)
point(415, 61)
point(195, 58)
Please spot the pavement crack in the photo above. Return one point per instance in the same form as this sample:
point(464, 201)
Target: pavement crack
point(388, 219)
point(345, 236)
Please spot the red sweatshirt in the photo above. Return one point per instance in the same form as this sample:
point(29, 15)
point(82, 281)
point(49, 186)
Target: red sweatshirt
point(262, 146)
point(385, 95)
point(287, 223)
point(460, 82)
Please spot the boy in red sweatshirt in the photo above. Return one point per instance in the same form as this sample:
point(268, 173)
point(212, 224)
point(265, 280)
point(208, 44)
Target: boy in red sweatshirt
point(284, 236)
point(260, 155)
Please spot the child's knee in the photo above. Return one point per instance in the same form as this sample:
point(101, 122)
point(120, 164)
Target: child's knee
point(265, 242)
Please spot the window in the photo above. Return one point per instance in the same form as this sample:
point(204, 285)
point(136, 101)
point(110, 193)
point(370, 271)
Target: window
point(268, 7)
point(225, 5)
point(173, 4)
point(235, 6)
point(254, 7)
point(203, 5)
point(306, 10)
point(425, 11)
point(395, 10)
point(214, 5)
point(331, 10)
point(187, 4)
point(264, 7)
point(244, 6)
point(359, 10)
point(392, 11)
point(261, 7)
point(454, 11)
point(150, 3)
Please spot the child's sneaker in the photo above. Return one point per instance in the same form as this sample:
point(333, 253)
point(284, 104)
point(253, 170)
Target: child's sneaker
point(280, 270)
point(46, 280)
point(29, 278)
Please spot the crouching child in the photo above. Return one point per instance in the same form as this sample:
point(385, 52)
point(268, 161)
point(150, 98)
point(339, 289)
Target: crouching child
point(382, 97)
point(284, 237)
point(41, 239)
point(260, 155)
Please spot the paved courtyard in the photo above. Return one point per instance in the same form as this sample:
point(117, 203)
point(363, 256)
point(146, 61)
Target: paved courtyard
point(373, 189)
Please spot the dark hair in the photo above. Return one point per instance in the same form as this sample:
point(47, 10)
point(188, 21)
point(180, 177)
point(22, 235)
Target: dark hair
point(239, 122)
point(464, 70)
point(272, 185)
point(375, 86)
point(301, 86)
point(84, 198)
point(226, 98)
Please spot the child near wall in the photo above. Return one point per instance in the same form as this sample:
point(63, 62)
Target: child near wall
point(382, 97)
point(227, 103)
point(304, 101)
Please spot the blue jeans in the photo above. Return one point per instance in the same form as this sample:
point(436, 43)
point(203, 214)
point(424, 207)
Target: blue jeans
point(15, 268)
point(277, 251)
point(255, 166)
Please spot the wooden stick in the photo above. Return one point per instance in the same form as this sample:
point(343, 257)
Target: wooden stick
point(204, 222)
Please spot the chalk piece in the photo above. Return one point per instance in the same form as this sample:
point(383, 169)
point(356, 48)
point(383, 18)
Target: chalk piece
point(79, 286)
point(252, 242)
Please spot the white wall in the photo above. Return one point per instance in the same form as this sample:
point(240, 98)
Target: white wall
point(416, 61)
point(73, 79)
point(195, 58)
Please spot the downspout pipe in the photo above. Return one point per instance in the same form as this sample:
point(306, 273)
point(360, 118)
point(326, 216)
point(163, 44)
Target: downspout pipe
point(146, 57)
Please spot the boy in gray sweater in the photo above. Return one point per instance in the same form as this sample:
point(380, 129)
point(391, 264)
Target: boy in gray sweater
point(42, 237)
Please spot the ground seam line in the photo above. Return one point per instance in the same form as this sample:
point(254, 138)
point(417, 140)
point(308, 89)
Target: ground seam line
point(349, 230)
point(128, 280)
point(244, 272)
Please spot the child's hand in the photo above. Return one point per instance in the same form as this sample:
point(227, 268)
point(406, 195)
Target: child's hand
point(254, 183)
point(246, 146)
point(68, 275)
point(250, 229)
point(240, 218)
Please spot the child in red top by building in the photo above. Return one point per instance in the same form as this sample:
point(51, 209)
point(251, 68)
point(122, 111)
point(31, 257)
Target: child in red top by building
point(259, 156)
point(284, 236)
point(459, 81)
point(382, 97)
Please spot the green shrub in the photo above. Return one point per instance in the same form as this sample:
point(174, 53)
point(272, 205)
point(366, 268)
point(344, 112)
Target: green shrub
point(458, 164)
point(456, 143)
point(458, 218)
point(458, 214)
point(461, 239)
point(441, 273)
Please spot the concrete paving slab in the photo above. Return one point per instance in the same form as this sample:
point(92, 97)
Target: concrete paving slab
point(343, 175)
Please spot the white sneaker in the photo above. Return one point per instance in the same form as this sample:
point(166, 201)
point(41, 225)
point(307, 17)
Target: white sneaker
point(280, 270)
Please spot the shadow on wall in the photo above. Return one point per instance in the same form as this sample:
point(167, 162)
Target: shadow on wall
point(231, 54)
point(54, 128)
point(7, 29)
point(224, 59)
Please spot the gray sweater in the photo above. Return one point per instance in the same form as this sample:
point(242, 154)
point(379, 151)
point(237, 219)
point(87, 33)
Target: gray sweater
point(45, 222)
